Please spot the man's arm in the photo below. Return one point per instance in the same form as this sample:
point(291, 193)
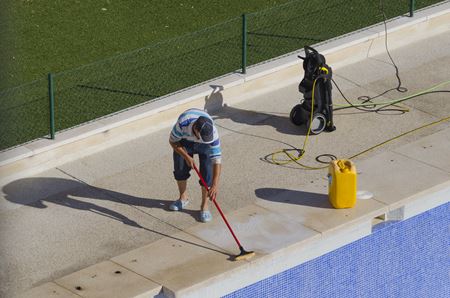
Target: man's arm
point(213, 190)
point(178, 148)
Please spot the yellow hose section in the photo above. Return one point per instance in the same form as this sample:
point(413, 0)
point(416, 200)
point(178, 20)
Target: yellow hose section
point(302, 151)
point(295, 159)
point(401, 135)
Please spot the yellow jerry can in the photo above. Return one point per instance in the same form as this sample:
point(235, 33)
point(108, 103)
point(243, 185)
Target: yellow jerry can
point(342, 183)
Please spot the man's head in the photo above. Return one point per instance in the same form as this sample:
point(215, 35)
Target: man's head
point(203, 128)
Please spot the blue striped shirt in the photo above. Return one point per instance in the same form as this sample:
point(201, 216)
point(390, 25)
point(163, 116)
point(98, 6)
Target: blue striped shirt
point(183, 130)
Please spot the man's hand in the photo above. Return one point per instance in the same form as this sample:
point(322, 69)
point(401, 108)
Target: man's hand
point(215, 183)
point(189, 160)
point(178, 148)
point(213, 192)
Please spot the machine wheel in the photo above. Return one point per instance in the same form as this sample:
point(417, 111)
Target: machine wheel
point(297, 115)
point(319, 121)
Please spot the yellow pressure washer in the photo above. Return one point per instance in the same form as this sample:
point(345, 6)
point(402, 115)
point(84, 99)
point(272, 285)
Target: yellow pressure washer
point(316, 89)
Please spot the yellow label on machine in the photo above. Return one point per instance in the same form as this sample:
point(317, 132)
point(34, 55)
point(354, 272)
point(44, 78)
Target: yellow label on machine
point(342, 183)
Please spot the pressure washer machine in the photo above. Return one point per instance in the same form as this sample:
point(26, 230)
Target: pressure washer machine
point(316, 90)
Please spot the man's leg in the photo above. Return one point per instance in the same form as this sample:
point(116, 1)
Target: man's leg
point(181, 170)
point(204, 205)
point(182, 186)
point(181, 174)
point(206, 171)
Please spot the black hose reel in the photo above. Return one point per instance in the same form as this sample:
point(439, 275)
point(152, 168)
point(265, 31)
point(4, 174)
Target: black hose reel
point(315, 87)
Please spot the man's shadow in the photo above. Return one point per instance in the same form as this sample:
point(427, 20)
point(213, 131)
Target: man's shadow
point(35, 192)
point(38, 192)
point(214, 105)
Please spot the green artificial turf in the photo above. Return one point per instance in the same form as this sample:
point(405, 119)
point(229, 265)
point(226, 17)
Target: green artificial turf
point(52, 36)
point(109, 55)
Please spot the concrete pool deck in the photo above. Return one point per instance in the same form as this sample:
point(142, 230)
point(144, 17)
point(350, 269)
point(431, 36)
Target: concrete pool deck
point(98, 225)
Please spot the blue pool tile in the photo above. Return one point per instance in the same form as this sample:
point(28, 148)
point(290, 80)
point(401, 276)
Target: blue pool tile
point(401, 259)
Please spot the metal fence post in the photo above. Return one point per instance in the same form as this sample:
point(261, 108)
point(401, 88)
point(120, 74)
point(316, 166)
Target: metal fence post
point(51, 97)
point(244, 43)
point(412, 7)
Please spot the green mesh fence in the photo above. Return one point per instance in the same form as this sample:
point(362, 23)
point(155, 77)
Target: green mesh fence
point(123, 81)
point(24, 113)
point(291, 26)
point(120, 82)
point(424, 3)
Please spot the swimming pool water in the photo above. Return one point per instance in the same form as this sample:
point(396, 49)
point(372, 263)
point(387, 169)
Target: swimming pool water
point(404, 259)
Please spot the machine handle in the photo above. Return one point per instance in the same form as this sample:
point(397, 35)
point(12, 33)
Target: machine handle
point(309, 49)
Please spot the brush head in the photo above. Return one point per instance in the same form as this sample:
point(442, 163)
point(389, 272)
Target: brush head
point(244, 255)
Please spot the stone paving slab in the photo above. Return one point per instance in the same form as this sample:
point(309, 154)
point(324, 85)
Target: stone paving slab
point(399, 178)
point(108, 279)
point(48, 290)
point(199, 260)
point(310, 206)
point(179, 261)
point(432, 150)
point(258, 229)
point(429, 199)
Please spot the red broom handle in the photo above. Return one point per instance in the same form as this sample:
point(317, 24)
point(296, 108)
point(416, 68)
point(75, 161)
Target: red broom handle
point(218, 207)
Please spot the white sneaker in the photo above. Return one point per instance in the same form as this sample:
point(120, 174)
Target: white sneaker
point(178, 205)
point(205, 216)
